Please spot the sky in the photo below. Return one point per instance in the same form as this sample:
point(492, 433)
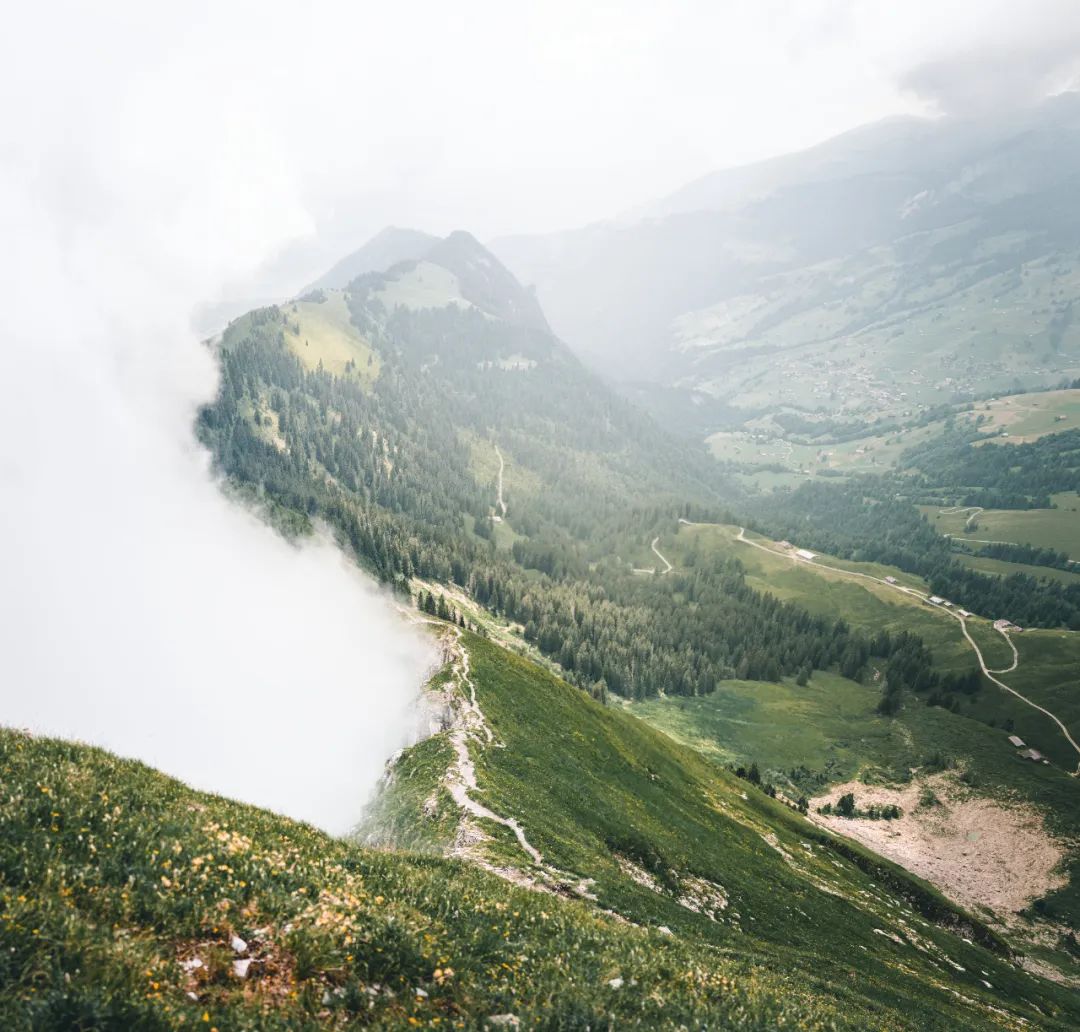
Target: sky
point(503, 117)
point(531, 117)
point(158, 157)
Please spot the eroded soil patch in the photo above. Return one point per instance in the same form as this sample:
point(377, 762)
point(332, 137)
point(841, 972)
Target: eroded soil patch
point(979, 852)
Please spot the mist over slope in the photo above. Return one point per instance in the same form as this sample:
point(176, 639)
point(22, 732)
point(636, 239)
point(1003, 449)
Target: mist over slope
point(850, 267)
point(141, 609)
point(388, 247)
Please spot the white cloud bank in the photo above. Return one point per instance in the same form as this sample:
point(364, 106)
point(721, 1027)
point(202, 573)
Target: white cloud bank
point(139, 608)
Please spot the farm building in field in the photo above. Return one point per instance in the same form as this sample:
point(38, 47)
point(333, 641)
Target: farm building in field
point(935, 600)
point(964, 612)
point(1005, 625)
point(785, 545)
point(802, 553)
point(1017, 741)
point(1031, 754)
point(890, 580)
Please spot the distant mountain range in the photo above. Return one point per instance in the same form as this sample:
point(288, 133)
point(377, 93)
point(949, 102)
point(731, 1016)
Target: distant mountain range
point(897, 266)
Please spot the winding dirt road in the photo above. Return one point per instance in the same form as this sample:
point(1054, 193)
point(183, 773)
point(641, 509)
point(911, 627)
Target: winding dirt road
point(499, 497)
point(656, 552)
point(1013, 691)
point(741, 536)
point(956, 510)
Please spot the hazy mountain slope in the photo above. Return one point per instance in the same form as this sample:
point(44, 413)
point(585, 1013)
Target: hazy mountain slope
point(452, 367)
point(455, 402)
point(388, 247)
point(485, 282)
point(820, 280)
point(475, 275)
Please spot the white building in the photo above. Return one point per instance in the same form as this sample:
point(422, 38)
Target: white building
point(1016, 741)
point(802, 553)
point(890, 580)
point(935, 600)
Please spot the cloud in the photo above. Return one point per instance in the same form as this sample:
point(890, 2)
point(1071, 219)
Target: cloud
point(139, 608)
point(994, 59)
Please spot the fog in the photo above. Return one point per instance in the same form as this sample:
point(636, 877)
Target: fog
point(140, 609)
point(1003, 59)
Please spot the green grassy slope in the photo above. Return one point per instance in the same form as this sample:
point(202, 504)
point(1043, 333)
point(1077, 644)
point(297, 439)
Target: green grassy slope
point(642, 822)
point(1048, 659)
point(321, 334)
point(1057, 528)
point(862, 603)
point(112, 875)
point(1003, 568)
point(1026, 417)
point(829, 727)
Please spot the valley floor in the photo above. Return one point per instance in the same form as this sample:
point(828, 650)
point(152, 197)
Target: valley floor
point(999, 837)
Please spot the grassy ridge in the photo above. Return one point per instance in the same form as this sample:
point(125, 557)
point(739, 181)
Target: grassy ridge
point(111, 874)
point(595, 788)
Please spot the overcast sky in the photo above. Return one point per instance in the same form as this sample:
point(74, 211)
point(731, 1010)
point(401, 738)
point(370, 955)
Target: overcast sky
point(493, 116)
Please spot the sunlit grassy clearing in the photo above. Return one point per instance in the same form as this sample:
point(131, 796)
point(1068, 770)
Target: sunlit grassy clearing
point(328, 337)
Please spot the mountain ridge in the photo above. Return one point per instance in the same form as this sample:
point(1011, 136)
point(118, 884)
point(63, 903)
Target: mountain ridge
point(389, 246)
